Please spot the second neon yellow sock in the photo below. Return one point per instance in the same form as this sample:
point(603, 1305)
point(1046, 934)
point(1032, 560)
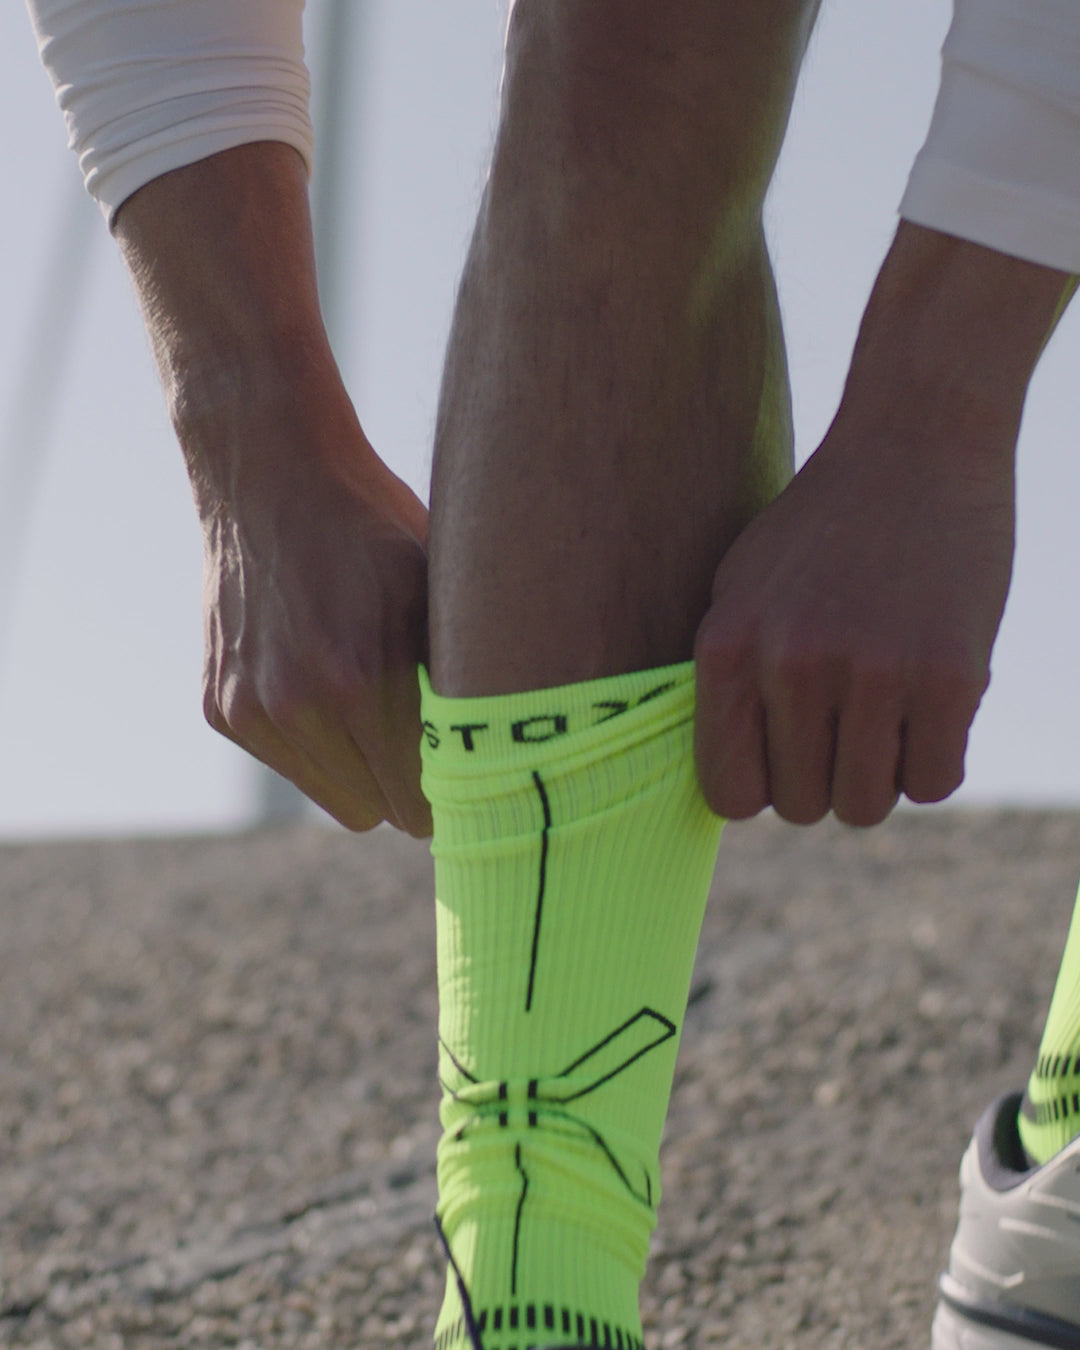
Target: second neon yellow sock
point(1050, 1113)
point(573, 857)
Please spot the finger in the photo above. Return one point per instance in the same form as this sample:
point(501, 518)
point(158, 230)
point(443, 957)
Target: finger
point(800, 741)
point(729, 736)
point(369, 756)
point(866, 770)
point(365, 732)
point(346, 765)
point(935, 741)
point(799, 764)
point(358, 804)
point(392, 749)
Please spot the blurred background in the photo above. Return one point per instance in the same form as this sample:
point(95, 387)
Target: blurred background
point(101, 728)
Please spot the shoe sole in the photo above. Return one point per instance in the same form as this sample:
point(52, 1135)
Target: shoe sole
point(952, 1330)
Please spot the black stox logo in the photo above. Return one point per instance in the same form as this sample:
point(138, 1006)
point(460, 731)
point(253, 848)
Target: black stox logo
point(536, 730)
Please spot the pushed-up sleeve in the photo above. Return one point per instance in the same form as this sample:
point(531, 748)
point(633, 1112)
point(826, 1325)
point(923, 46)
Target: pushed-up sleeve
point(147, 86)
point(1001, 163)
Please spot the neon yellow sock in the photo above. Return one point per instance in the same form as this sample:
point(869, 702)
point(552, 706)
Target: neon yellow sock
point(1050, 1113)
point(573, 856)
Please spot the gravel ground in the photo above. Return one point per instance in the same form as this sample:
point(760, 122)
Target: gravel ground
point(217, 1093)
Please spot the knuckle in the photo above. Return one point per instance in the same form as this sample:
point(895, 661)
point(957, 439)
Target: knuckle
point(874, 680)
point(282, 704)
point(962, 691)
point(341, 681)
point(955, 684)
point(337, 675)
point(723, 656)
point(793, 664)
point(797, 669)
point(238, 711)
point(285, 696)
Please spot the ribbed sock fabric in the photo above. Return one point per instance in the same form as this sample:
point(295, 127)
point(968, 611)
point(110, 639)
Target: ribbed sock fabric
point(1050, 1112)
point(573, 857)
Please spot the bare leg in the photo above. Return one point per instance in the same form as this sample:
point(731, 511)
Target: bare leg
point(614, 410)
point(615, 404)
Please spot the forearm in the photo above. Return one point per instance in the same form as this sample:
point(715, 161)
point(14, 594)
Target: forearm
point(221, 256)
point(950, 338)
point(222, 260)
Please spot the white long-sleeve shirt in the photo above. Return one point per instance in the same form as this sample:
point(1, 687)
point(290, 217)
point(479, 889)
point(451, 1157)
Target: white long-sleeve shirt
point(150, 85)
point(1001, 163)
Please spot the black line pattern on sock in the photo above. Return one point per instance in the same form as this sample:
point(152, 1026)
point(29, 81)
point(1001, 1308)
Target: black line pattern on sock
point(467, 1322)
point(611, 707)
point(457, 1063)
point(542, 1100)
point(517, 1217)
point(1055, 1111)
point(1061, 1105)
point(655, 693)
point(513, 1326)
point(1054, 1066)
point(644, 1197)
point(539, 782)
point(646, 1014)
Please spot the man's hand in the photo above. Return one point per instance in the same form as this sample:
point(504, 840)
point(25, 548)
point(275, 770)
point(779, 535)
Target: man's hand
point(315, 613)
point(848, 642)
point(315, 552)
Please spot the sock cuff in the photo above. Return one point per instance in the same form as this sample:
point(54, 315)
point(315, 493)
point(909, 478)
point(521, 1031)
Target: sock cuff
point(466, 737)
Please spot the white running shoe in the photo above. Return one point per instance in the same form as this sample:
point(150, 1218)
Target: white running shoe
point(1013, 1280)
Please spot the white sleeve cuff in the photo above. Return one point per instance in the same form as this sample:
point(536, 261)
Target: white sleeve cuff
point(152, 85)
point(1001, 163)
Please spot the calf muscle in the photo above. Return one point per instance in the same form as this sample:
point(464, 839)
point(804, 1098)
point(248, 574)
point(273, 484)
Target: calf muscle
point(615, 403)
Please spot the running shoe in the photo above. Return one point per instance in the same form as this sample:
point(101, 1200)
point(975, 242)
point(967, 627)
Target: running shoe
point(1013, 1280)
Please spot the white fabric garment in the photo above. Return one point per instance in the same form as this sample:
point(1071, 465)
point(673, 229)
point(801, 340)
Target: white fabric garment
point(1001, 163)
point(152, 85)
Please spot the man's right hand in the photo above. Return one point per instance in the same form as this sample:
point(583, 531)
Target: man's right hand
point(315, 577)
point(848, 641)
point(849, 637)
